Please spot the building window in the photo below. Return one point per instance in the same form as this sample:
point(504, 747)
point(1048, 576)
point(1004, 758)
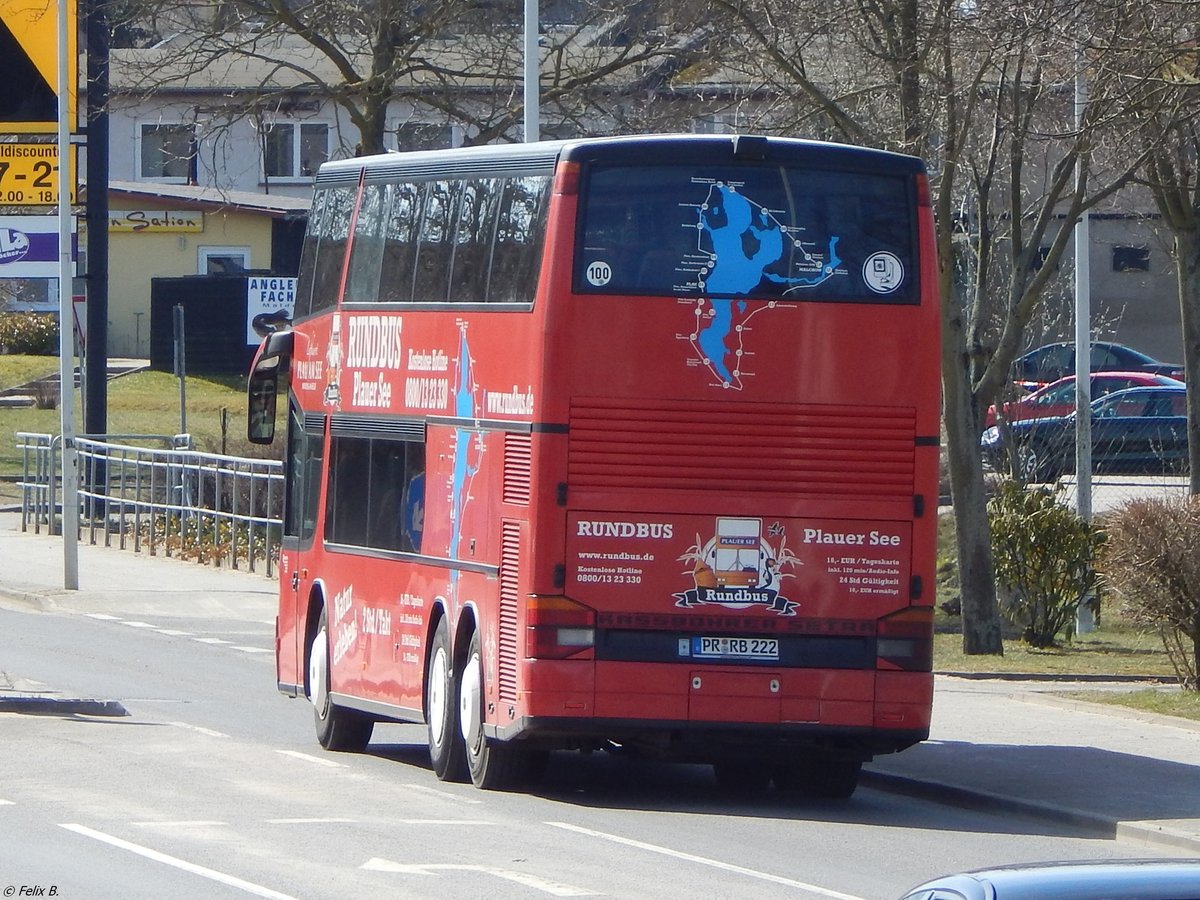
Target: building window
point(294, 150)
point(166, 152)
point(558, 131)
point(1131, 259)
point(424, 136)
point(719, 123)
point(1038, 259)
point(223, 260)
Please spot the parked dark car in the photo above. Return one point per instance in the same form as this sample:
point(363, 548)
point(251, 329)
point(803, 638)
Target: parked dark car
point(1054, 361)
point(1140, 429)
point(1113, 879)
point(1058, 398)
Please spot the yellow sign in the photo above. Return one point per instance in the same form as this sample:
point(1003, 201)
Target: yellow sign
point(155, 221)
point(29, 45)
point(29, 174)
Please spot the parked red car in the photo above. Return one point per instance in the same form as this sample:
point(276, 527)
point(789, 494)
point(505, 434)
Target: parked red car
point(1058, 398)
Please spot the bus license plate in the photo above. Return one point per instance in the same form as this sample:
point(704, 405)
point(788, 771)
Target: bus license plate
point(735, 648)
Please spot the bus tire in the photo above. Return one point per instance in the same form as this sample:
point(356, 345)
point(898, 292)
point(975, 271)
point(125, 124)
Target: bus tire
point(494, 765)
point(338, 728)
point(446, 752)
point(820, 777)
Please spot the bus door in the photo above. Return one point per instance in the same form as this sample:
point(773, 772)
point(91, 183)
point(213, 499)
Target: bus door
point(305, 449)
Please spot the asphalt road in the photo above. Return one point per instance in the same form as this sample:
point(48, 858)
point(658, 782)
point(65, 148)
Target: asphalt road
point(213, 786)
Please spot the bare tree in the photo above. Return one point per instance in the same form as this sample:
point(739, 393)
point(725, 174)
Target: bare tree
point(460, 57)
point(1164, 44)
point(982, 91)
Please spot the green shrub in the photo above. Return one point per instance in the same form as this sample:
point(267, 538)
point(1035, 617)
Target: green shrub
point(1152, 562)
point(31, 334)
point(1044, 555)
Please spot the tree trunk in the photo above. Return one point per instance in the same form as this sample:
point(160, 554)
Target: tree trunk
point(1187, 268)
point(372, 128)
point(976, 575)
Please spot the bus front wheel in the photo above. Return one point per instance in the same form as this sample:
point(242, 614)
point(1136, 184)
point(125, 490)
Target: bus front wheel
point(337, 728)
point(445, 747)
point(494, 765)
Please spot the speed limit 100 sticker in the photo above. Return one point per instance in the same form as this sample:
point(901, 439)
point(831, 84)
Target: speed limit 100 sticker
point(598, 273)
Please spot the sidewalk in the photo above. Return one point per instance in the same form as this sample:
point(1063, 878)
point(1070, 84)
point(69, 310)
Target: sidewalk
point(1011, 745)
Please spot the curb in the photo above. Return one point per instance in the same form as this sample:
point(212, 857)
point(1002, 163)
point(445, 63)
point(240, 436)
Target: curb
point(1058, 677)
point(62, 706)
point(1104, 826)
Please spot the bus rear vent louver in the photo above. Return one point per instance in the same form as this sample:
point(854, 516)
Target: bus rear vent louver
point(782, 449)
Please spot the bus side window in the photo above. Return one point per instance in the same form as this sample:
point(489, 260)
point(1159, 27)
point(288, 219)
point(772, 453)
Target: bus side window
point(384, 492)
point(400, 243)
point(520, 233)
point(432, 276)
point(331, 247)
point(412, 525)
point(346, 499)
point(473, 236)
point(366, 254)
point(308, 257)
point(305, 455)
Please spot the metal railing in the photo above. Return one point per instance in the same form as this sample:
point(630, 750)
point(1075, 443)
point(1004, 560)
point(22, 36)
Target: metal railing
point(166, 499)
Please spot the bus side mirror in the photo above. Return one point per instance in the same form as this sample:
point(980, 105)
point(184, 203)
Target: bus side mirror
point(262, 393)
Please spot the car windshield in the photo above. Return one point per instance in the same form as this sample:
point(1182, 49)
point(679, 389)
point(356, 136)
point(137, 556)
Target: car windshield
point(1061, 393)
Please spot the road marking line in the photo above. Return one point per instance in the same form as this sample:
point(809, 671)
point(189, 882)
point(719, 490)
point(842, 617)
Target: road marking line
point(705, 861)
point(212, 874)
point(254, 649)
point(313, 759)
point(207, 731)
point(138, 624)
point(193, 824)
point(444, 822)
point(557, 888)
point(173, 633)
point(211, 641)
point(103, 616)
point(329, 821)
point(8, 803)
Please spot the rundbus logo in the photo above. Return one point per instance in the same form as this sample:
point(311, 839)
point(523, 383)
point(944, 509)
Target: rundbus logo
point(661, 530)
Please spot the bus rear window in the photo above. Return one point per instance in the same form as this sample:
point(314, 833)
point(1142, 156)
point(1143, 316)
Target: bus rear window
point(748, 231)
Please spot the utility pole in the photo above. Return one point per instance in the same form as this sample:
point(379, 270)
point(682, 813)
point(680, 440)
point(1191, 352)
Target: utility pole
point(66, 316)
point(532, 72)
point(95, 405)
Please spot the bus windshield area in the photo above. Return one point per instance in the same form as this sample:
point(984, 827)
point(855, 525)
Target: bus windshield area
point(748, 231)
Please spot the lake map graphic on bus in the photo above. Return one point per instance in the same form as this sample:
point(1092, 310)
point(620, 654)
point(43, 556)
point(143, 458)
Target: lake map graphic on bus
point(740, 245)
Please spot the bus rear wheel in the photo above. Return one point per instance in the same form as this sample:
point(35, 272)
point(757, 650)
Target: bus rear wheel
point(441, 710)
point(494, 765)
point(819, 776)
point(337, 728)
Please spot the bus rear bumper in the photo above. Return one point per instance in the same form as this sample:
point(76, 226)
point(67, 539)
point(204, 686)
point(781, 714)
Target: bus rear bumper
point(704, 742)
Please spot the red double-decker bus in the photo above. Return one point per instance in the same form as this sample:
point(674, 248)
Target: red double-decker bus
point(625, 442)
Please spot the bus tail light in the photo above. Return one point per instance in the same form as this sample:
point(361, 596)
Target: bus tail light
point(904, 640)
point(557, 628)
